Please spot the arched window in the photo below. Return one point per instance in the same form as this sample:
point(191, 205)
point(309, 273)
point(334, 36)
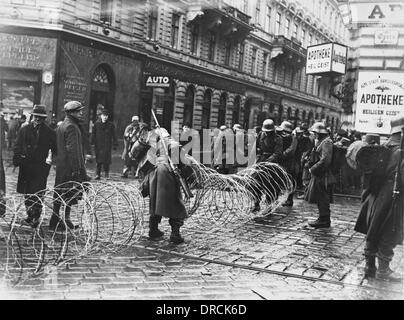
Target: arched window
point(303, 115)
point(280, 114)
point(206, 107)
point(236, 110)
point(247, 111)
point(289, 113)
point(296, 118)
point(189, 105)
point(310, 119)
point(221, 118)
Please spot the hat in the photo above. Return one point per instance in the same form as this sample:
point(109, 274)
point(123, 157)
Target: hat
point(372, 138)
point(319, 127)
point(223, 127)
point(342, 133)
point(397, 124)
point(304, 126)
point(39, 110)
point(135, 118)
point(286, 126)
point(268, 125)
point(105, 112)
point(73, 106)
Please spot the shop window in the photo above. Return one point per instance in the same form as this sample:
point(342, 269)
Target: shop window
point(17, 96)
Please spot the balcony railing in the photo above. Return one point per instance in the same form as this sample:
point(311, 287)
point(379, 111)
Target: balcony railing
point(235, 13)
point(291, 45)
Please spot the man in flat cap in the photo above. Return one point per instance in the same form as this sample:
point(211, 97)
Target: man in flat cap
point(381, 212)
point(70, 165)
point(30, 153)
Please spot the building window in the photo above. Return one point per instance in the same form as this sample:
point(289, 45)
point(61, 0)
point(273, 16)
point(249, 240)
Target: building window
point(310, 40)
point(106, 11)
point(294, 34)
point(303, 37)
point(292, 77)
point(275, 72)
point(245, 6)
point(268, 19)
point(265, 65)
point(253, 61)
point(278, 24)
point(212, 45)
point(152, 23)
point(287, 27)
point(175, 27)
point(227, 52)
point(194, 38)
point(221, 117)
point(257, 12)
point(241, 56)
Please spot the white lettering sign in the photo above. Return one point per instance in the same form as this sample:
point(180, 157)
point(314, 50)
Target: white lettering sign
point(328, 57)
point(157, 81)
point(380, 97)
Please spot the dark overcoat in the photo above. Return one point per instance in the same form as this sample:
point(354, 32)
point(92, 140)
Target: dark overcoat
point(162, 187)
point(289, 144)
point(375, 217)
point(103, 138)
point(322, 179)
point(30, 152)
point(70, 163)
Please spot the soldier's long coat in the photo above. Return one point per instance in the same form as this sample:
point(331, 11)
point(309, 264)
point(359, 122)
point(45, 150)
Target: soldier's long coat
point(322, 179)
point(30, 151)
point(375, 216)
point(160, 183)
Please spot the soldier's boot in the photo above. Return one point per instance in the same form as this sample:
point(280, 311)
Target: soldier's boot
point(154, 233)
point(125, 173)
point(321, 222)
point(106, 174)
point(33, 217)
point(385, 273)
point(98, 172)
point(370, 266)
point(55, 223)
point(256, 207)
point(289, 201)
point(175, 236)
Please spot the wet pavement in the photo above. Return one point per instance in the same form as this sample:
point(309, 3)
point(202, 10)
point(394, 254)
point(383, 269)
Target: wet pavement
point(276, 257)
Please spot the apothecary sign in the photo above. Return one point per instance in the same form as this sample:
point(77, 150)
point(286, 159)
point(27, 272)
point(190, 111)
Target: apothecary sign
point(326, 58)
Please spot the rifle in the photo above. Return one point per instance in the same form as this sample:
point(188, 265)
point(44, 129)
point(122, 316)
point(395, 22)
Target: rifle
point(173, 168)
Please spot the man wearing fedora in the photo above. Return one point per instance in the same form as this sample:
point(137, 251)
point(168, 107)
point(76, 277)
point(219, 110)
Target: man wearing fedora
point(30, 153)
point(381, 213)
point(70, 165)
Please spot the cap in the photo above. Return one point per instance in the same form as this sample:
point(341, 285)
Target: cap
point(135, 118)
point(319, 127)
point(286, 126)
point(268, 125)
point(73, 106)
point(397, 124)
point(372, 138)
point(105, 112)
point(39, 110)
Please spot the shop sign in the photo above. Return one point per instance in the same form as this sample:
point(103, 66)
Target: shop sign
point(157, 81)
point(380, 98)
point(326, 58)
point(381, 12)
point(386, 37)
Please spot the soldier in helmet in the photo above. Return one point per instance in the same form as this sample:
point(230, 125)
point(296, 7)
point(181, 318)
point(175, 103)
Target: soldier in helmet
point(320, 188)
point(269, 149)
point(381, 212)
point(289, 144)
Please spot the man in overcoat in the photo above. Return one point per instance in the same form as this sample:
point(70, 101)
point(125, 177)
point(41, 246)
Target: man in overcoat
point(320, 188)
point(104, 139)
point(70, 165)
point(31, 150)
point(381, 216)
point(162, 187)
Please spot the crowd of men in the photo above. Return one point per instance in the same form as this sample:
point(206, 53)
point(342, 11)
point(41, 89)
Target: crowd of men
point(312, 156)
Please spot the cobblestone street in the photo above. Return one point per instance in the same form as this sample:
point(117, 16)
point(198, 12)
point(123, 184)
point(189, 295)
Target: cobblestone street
point(276, 257)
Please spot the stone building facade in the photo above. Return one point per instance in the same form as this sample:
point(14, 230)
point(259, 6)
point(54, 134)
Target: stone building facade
point(227, 61)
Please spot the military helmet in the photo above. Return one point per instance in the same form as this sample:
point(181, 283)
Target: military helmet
point(319, 127)
point(397, 124)
point(268, 125)
point(286, 126)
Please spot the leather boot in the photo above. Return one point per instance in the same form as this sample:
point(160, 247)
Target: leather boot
point(56, 224)
point(289, 201)
point(370, 267)
point(154, 233)
point(321, 222)
point(175, 236)
point(385, 273)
